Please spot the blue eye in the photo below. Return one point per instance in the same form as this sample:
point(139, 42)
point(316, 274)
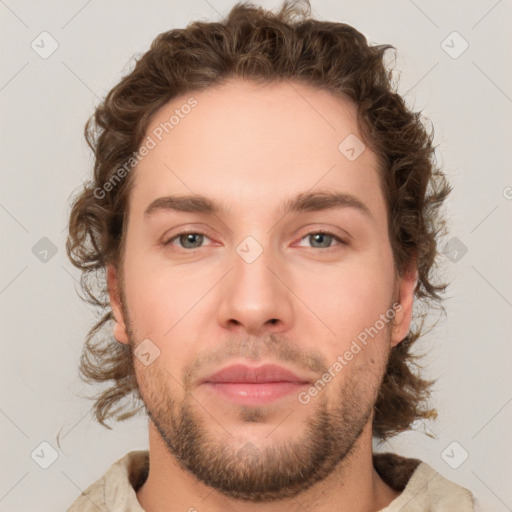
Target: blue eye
point(324, 239)
point(190, 240)
point(194, 240)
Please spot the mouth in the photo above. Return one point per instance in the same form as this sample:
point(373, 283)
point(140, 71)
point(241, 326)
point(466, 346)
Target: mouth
point(254, 385)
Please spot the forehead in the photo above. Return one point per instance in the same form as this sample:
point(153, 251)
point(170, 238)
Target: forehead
point(252, 144)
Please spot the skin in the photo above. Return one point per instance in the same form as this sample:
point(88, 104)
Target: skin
point(300, 304)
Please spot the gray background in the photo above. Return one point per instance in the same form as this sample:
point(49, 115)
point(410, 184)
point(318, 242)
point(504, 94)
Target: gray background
point(45, 103)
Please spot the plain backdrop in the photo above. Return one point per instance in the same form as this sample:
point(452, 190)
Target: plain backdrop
point(453, 67)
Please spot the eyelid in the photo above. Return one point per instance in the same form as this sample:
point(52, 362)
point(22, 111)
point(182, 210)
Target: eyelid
point(311, 229)
point(185, 230)
point(338, 238)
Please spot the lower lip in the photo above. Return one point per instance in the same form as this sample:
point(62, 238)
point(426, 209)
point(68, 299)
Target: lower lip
point(254, 394)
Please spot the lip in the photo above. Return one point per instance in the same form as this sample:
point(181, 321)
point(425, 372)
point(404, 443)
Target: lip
point(251, 386)
point(267, 373)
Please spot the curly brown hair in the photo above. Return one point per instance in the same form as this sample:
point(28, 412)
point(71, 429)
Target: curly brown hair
point(258, 45)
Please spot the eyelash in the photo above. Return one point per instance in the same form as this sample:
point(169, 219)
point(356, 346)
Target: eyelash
point(323, 232)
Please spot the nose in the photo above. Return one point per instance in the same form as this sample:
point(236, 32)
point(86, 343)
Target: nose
point(254, 297)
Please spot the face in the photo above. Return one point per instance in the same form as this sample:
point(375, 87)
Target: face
point(270, 270)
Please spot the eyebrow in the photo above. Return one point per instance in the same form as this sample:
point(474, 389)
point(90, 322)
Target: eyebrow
point(303, 202)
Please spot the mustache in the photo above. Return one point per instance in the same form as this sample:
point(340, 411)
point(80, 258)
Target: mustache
point(268, 347)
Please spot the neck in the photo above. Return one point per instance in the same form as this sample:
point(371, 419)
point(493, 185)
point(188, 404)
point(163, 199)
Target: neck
point(354, 486)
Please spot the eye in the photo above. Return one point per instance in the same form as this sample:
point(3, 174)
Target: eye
point(190, 240)
point(194, 240)
point(323, 239)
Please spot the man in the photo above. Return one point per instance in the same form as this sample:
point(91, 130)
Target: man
point(265, 211)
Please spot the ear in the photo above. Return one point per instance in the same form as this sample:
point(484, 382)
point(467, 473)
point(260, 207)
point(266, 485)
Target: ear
point(113, 285)
point(403, 316)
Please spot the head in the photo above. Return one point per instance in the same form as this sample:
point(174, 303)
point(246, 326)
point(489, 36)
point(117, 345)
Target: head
point(308, 234)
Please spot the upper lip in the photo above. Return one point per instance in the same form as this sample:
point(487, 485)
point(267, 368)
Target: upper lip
point(259, 374)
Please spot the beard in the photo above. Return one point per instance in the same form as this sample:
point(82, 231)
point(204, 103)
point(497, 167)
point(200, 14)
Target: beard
point(268, 472)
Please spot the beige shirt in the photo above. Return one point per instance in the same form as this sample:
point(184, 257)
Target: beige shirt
point(422, 488)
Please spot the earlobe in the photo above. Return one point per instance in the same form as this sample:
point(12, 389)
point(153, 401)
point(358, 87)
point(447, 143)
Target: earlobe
point(120, 333)
point(403, 317)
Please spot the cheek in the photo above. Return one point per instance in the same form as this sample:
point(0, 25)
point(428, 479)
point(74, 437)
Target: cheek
point(350, 297)
point(159, 298)
point(156, 383)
